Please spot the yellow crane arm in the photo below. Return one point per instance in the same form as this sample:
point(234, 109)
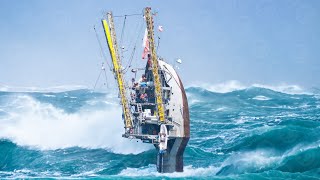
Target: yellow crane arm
point(118, 74)
point(155, 66)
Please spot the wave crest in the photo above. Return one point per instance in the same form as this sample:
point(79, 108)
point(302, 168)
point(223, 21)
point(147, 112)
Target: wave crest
point(233, 85)
point(61, 88)
point(41, 125)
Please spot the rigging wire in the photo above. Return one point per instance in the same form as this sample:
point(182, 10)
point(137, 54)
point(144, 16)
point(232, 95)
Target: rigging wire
point(158, 45)
point(121, 44)
point(129, 15)
point(105, 75)
point(134, 48)
point(101, 49)
point(95, 84)
point(103, 69)
point(121, 37)
point(122, 31)
point(136, 33)
point(102, 54)
point(130, 42)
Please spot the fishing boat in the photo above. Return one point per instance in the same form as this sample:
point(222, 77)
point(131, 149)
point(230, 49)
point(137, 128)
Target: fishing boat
point(155, 108)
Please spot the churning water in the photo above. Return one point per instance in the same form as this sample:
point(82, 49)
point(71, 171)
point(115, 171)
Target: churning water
point(248, 133)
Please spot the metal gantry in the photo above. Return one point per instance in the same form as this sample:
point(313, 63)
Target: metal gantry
point(110, 34)
point(113, 48)
point(155, 66)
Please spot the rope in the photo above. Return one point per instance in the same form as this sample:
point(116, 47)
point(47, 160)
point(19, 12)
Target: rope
point(129, 15)
point(159, 34)
point(101, 49)
point(134, 48)
point(121, 37)
point(105, 74)
point(94, 87)
point(158, 44)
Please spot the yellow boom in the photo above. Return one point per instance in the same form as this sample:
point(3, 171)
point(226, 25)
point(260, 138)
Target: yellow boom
point(111, 39)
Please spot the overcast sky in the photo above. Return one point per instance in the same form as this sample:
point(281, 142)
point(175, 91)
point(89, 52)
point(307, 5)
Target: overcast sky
point(47, 43)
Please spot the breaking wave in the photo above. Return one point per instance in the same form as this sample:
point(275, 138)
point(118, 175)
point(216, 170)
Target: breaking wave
point(233, 85)
point(29, 122)
point(237, 132)
point(62, 88)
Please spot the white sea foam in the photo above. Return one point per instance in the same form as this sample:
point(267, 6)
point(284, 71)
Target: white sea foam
point(284, 88)
point(234, 85)
point(3, 88)
point(241, 120)
point(219, 109)
point(301, 148)
point(251, 160)
point(263, 158)
point(49, 95)
point(224, 87)
point(32, 123)
point(61, 88)
point(192, 99)
point(261, 98)
point(189, 171)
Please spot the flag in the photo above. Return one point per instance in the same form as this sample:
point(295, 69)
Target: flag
point(145, 44)
point(160, 28)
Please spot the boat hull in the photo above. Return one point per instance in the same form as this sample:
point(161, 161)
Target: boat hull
point(172, 160)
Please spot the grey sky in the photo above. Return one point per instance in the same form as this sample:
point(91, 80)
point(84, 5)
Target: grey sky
point(49, 43)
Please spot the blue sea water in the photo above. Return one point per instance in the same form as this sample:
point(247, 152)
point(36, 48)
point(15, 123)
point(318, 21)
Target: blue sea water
point(252, 133)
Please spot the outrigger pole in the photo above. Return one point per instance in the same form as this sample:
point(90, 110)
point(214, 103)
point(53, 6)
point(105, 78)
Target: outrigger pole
point(113, 48)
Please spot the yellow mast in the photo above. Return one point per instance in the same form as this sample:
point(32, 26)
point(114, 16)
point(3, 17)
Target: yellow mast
point(113, 48)
point(155, 66)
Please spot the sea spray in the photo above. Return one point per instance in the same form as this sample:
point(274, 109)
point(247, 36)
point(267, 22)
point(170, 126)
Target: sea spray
point(246, 132)
point(46, 127)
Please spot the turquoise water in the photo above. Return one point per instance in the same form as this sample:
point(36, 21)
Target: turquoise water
point(253, 133)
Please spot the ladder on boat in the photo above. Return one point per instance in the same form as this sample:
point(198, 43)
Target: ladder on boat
point(139, 107)
point(155, 66)
point(110, 34)
point(113, 48)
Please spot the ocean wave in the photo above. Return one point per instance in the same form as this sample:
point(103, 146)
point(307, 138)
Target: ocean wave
point(243, 134)
point(189, 171)
point(250, 161)
point(261, 98)
point(43, 126)
point(280, 138)
point(55, 89)
point(303, 159)
point(297, 159)
point(224, 87)
point(230, 86)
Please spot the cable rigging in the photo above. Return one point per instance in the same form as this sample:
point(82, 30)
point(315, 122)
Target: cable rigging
point(121, 36)
point(102, 54)
point(129, 15)
point(134, 48)
point(138, 31)
point(103, 69)
point(101, 49)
